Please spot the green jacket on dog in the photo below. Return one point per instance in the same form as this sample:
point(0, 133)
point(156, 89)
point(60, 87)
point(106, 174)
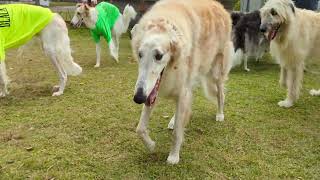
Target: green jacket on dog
point(107, 17)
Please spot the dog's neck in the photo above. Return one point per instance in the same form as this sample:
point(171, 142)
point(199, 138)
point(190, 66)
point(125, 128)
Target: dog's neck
point(91, 19)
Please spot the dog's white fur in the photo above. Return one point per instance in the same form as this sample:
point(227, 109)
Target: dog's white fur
point(56, 44)
point(89, 15)
point(297, 40)
point(194, 39)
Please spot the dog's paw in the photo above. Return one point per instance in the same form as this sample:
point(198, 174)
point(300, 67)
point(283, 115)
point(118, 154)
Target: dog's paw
point(173, 159)
point(97, 65)
point(55, 89)
point(151, 146)
point(314, 92)
point(220, 117)
point(59, 93)
point(247, 69)
point(171, 123)
point(286, 103)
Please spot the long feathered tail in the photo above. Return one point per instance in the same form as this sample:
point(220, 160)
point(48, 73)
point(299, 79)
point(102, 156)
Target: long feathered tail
point(128, 14)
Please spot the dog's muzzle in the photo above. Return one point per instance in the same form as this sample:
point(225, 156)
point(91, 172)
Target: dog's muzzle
point(140, 97)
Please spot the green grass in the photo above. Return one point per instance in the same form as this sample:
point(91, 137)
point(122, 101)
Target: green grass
point(89, 132)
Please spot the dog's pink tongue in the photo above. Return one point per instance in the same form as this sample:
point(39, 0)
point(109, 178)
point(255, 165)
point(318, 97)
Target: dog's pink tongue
point(272, 35)
point(153, 95)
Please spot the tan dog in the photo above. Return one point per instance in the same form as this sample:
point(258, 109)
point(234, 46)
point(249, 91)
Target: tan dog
point(177, 44)
point(295, 37)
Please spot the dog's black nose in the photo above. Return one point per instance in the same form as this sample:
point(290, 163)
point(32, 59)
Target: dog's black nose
point(263, 28)
point(139, 97)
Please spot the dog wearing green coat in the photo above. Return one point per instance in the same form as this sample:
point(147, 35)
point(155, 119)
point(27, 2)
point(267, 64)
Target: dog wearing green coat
point(19, 23)
point(104, 20)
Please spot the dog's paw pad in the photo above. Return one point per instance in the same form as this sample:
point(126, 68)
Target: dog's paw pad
point(220, 117)
point(57, 93)
point(314, 92)
point(173, 159)
point(285, 103)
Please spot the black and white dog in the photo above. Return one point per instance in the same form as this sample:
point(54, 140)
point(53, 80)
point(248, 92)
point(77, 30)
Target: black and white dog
point(248, 41)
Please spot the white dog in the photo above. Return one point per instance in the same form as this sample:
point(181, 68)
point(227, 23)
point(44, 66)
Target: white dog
point(295, 36)
point(178, 43)
point(19, 23)
point(104, 20)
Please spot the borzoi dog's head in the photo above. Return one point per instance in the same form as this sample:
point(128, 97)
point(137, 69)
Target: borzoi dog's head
point(276, 15)
point(84, 13)
point(154, 45)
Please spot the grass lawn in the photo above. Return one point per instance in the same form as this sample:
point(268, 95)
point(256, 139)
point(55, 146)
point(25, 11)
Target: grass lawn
point(89, 132)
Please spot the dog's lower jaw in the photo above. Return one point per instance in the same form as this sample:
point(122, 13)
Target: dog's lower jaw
point(287, 103)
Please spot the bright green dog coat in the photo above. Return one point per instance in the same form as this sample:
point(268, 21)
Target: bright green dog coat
point(19, 23)
point(107, 17)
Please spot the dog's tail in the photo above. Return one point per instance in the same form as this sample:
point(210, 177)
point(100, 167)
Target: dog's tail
point(128, 14)
point(64, 56)
point(66, 60)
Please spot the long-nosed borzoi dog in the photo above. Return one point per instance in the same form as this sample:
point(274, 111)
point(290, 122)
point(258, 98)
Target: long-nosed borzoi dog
point(178, 43)
point(19, 23)
point(104, 20)
point(247, 39)
point(295, 37)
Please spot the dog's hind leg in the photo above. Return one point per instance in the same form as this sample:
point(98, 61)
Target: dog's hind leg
point(183, 113)
point(314, 92)
point(113, 50)
point(58, 90)
point(98, 52)
point(142, 128)
point(3, 79)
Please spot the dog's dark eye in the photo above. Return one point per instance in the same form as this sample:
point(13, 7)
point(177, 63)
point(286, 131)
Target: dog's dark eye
point(273, 12)
point(78, 13)
point(158, 56)
point(140, 54)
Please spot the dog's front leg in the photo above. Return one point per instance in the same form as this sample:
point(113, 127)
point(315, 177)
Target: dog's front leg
point(98, 52)
point(245, 63)
point(3, 79)
point(283, 77)
point(142, 128)
point(182, 116)
point(294, 79)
